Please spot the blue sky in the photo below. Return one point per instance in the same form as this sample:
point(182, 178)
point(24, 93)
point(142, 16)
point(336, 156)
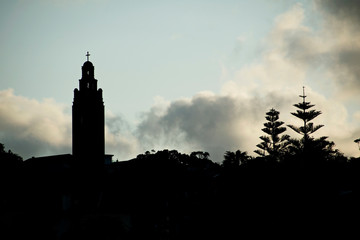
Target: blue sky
point(152, 56)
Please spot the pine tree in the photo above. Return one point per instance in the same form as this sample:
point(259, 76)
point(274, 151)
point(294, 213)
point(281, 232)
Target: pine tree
point(274, 145)
point(319, 149)
point(306, 115)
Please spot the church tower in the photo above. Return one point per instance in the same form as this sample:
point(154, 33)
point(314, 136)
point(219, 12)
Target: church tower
point(88, 136)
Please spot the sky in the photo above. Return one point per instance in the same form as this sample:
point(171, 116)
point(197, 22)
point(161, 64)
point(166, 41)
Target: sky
point(185, 75)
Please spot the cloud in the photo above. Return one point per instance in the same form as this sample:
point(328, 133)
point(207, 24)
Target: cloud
point(333, 47)
point(293, 55)
point(342, 30)
point(119, 139)
point(325, 60)
point(346, 11)
point(30, 127)
point(207, 122)
point(37, 128)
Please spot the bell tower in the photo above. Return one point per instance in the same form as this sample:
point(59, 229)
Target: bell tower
point(88, 136)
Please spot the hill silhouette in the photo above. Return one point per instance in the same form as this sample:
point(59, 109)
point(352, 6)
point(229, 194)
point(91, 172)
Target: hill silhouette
point(171, 195)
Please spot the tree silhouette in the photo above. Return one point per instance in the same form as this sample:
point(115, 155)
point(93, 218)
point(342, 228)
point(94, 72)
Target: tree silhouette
point(306, 115)
point(357, 141)
point(274, 144)
point(8, 159)
point(234, 159)
point(319, 148)
point(200, 155)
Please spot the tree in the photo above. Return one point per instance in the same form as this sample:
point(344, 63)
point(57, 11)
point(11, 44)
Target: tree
point(235, 159)
point(311, 148)
point(306, 115)
point(357, 141)
point(200, 155)
point(274, 145)
point(8, 159)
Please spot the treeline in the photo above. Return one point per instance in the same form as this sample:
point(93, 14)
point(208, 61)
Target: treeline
point(172, 195)
point(182, 195)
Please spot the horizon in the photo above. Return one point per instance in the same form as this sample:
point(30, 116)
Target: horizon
point(190, 76)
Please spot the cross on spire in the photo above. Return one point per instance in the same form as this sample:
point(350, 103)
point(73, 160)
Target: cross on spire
point(87, 56)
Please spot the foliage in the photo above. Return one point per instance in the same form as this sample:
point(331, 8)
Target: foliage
point(308, 146)
point(357, 141)
point(196, 159)
point(235, 159)
point(306, 116)
point(274, 144)
point(8, 159)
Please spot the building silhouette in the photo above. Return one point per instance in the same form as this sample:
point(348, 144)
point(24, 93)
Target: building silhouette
point(88, 136)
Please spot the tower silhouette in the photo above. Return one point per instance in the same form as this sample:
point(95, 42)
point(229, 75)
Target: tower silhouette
point(88, 137)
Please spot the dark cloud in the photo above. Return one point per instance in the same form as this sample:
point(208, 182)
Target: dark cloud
point(342, 26)
point(346, 71)
point(207, 122)
point(348, 10)
point(119, 137)
point(116, 123)
point(203, 123)
point(332, 46)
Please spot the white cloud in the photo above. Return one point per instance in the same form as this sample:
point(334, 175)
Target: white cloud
point(292, 19)
point(36, 128)
point(30, 127)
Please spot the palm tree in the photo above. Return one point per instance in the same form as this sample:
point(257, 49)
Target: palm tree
point(274, 145)
point(234, 159)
